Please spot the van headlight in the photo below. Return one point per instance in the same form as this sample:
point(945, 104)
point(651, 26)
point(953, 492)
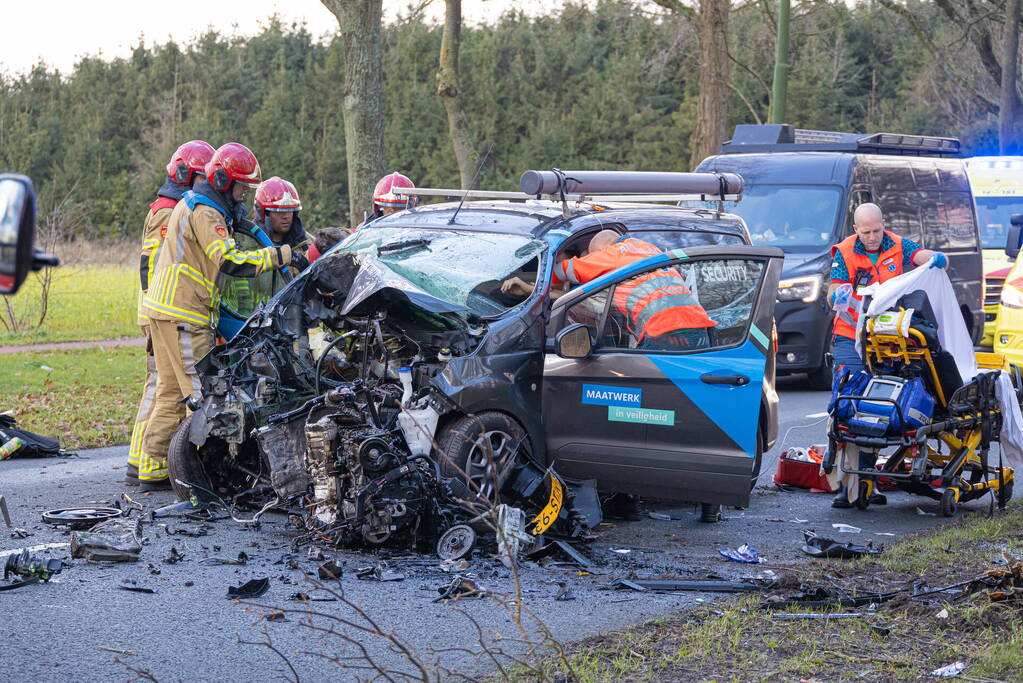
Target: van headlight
point(805, 289)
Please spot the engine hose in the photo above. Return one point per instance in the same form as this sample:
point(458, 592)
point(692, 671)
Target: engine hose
point(326, 350)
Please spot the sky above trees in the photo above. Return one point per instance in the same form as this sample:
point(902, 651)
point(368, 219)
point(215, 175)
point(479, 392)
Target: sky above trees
point(111, 28)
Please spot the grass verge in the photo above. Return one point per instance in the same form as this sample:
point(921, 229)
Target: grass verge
point(734, 640)
point(87, 397)
point(86, 303)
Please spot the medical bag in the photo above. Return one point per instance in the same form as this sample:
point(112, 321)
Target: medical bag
point(899, 404)
point(847, 384)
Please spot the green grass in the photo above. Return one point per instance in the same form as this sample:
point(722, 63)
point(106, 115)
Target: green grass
point(87, 399)
point(733, 640)
point(86, 303)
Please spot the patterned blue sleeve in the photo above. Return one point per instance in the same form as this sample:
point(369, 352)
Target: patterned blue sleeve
point(838, 270)
point(909, 249)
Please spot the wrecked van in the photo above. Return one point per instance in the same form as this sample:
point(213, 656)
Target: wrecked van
point(395, 372)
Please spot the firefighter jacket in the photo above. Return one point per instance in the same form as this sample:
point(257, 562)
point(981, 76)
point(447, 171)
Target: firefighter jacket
point(654, 303)
point(198, 249)
point(890, 263)
point(153, 230)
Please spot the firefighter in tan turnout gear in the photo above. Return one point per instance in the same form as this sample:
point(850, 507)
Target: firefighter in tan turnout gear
point(184, 293)
point(186, 167)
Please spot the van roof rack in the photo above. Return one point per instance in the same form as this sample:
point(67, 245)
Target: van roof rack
point(780, 137)
point(603, 186)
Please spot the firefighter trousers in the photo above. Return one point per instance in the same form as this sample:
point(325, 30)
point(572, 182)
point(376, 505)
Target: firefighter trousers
point(145, 405)
point(176, 348)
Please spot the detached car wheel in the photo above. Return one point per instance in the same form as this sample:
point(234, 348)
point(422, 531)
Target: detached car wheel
point(476, 447)
point(183, 462)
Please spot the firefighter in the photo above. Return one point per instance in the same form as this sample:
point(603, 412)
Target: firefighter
point(277, 206)
point(183, 298)
point(385, 201)
point(186, 167)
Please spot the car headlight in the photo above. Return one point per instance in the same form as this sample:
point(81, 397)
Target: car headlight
point(1012, 296)
point(805, 289)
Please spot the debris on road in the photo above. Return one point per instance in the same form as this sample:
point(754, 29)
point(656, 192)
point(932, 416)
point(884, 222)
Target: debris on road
point(116, 540)
point(304, 597)
point(744, 553)
point(846, 528)
point(564, 593)
point(813, 615)
point(173, 557)
point(710, 586)
point(81, 518)
point(329, 571)
point(456, 542)
point(248, 590)
point(460, 587)
point(818, 546)
point(820, 596)
point(29, 569)
point(566, 549)
point(380, 572)
point(134, 587)
point(242, 559)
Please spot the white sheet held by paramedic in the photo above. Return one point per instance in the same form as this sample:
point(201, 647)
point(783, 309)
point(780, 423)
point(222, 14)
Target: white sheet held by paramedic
point(954, 338)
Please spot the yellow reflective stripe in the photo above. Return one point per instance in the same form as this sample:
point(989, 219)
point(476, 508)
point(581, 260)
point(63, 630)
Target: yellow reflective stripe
point(178, 313)
point(255, 258)
point(215, 246)
point(197, 276)
point(151, 243)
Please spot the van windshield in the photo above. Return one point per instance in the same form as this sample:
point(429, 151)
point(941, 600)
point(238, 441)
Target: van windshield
point(993, 214)
point(795, 218)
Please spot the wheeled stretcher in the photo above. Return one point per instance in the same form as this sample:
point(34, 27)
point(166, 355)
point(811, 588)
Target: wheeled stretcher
point(910, 417)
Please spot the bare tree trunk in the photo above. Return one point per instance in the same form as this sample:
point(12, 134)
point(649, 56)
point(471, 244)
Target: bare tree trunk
point(712, 105)
point(363, 100)
point(451, 96)
point(1010, 129)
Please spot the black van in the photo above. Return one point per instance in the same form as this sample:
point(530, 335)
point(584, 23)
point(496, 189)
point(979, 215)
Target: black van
point(801, 189)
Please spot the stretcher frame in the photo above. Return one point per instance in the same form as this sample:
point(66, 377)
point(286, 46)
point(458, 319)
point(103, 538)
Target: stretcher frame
point(965, 472)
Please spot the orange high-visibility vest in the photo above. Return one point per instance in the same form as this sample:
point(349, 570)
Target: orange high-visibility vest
point(654, 303)
point(889, 265)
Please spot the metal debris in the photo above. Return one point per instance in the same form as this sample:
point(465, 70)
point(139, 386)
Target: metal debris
point(81, 518)
point(249, 589)
point(460, 587)
point(329, 571)
point(116, 540)
point(698, 586)
point(818, 546)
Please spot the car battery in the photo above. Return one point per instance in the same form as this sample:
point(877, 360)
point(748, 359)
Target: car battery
point(881, 417)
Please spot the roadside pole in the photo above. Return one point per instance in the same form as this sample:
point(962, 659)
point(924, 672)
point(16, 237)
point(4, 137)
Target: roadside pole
point(781, 65)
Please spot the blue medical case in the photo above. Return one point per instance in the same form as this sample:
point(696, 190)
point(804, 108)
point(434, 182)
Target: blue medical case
point(881, 418)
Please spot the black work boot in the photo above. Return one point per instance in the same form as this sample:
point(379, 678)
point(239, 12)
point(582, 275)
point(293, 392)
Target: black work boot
point(131, 477)
point(878, 499)
point(148, 485)
point(623, 506)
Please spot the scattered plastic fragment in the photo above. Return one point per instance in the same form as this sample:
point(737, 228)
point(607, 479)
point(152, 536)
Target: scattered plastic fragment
point(564, 593)
point(276, 615)
point(659, 515)
point(116, 540)
point(381, 572)
point(621, 551)
point(744, 553)
point(799, 521)
point(249, 589)
point(459, 588)
point(924, 513)
point(943, 614)
point(818, 546)
point(846, 528)
point(566, 549)
point(29, 568)
point(134, 587)
point(329, 571)
point(950, 670)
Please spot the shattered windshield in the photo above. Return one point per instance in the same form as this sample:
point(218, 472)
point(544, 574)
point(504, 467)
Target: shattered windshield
point(463, 268)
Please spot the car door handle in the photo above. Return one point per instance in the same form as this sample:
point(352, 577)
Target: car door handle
point(734, 380)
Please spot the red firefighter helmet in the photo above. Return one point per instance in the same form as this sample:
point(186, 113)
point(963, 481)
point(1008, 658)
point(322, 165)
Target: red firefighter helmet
point(189, 159)
point(384, 196)
point(276, 194)
point(233, 163)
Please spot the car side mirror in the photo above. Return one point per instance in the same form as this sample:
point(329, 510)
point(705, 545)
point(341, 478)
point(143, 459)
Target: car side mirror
point(17, 230)
point(1012, 239)
point(575, 341)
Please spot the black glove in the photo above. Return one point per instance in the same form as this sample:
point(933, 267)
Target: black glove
point(298, 260)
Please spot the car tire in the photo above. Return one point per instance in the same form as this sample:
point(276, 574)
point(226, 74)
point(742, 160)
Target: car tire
point(465, 456)
point(183, 462)
point(758, 461)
